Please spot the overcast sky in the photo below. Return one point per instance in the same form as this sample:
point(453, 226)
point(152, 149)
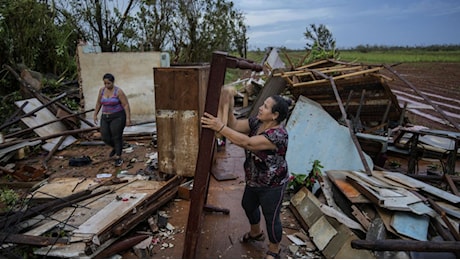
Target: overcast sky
point(282, 23)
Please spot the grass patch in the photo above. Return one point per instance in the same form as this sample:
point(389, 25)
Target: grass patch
point(404, 56)
point(367, 56)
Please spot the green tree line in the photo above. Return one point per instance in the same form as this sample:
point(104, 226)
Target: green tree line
point(42, 35)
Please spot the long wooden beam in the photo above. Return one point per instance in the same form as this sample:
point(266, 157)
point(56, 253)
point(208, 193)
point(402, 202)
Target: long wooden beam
point(17, 119)
point(308, 83)
point(407, 245)
point(31, 240)
point(17, 133)
point(70, 132)
point(219, 63)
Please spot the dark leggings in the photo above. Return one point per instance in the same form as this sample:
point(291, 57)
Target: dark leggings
point(112, 126)
point(270, 200)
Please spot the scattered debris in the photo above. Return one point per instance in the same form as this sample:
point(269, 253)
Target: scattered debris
point(345, 115)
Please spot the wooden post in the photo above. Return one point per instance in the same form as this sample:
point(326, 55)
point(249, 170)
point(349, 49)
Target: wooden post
point(198, 195)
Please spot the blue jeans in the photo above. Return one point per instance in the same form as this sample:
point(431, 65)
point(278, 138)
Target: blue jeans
point(270, 200)
point(112, 126)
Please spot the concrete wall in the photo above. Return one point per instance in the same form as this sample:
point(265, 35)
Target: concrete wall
point(133, 73)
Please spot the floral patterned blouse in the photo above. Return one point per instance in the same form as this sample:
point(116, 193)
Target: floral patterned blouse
point(267, 168)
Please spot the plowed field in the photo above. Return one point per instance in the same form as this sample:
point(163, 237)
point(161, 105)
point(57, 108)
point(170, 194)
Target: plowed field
point(426, 86)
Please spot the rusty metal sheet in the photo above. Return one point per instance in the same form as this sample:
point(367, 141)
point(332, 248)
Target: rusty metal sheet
point(178, 132)
point(181, 87)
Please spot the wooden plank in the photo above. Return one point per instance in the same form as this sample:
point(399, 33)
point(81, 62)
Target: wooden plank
point(24, 131)
point(407, 245)
point(62, 187)
point(46, 225)
point(30, 240)
point(17, 146)
point(386, 215)
point(451, 183)
point(363, 219)
point(307, 206)
point(449, 209)
point(199, 192)
point(302, 84)
point(341, 217)
point(339, 180)
point(395, 199)
point(69, 132)
point(399, 177)
point(371, 180)
point(55, 144)
point(380, 176)
point(340, 246)
point(43, 115)
point(111, 213)
point(71, 251)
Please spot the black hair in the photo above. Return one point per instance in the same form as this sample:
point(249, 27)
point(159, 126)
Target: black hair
point(109, 76)
point(281, 106)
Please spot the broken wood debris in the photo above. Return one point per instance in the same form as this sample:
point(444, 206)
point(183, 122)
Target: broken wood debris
point(403, 216)
point(31, 240)
point(103, 217)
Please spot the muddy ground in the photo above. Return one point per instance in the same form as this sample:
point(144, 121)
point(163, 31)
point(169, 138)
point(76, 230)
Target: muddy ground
point(438, 81)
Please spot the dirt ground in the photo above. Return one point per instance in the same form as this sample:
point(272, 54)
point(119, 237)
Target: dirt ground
point(439, 81)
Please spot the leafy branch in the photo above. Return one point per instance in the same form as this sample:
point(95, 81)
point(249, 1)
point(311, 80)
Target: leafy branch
point(298, 180)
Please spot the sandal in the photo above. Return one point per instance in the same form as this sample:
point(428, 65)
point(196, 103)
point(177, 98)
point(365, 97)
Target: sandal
point(248, 238)
point(273, 254)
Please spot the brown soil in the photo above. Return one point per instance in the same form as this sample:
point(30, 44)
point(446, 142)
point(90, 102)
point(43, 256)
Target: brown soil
point(439, 82)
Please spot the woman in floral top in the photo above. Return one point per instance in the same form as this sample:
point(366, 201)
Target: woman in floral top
point(265, 140)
